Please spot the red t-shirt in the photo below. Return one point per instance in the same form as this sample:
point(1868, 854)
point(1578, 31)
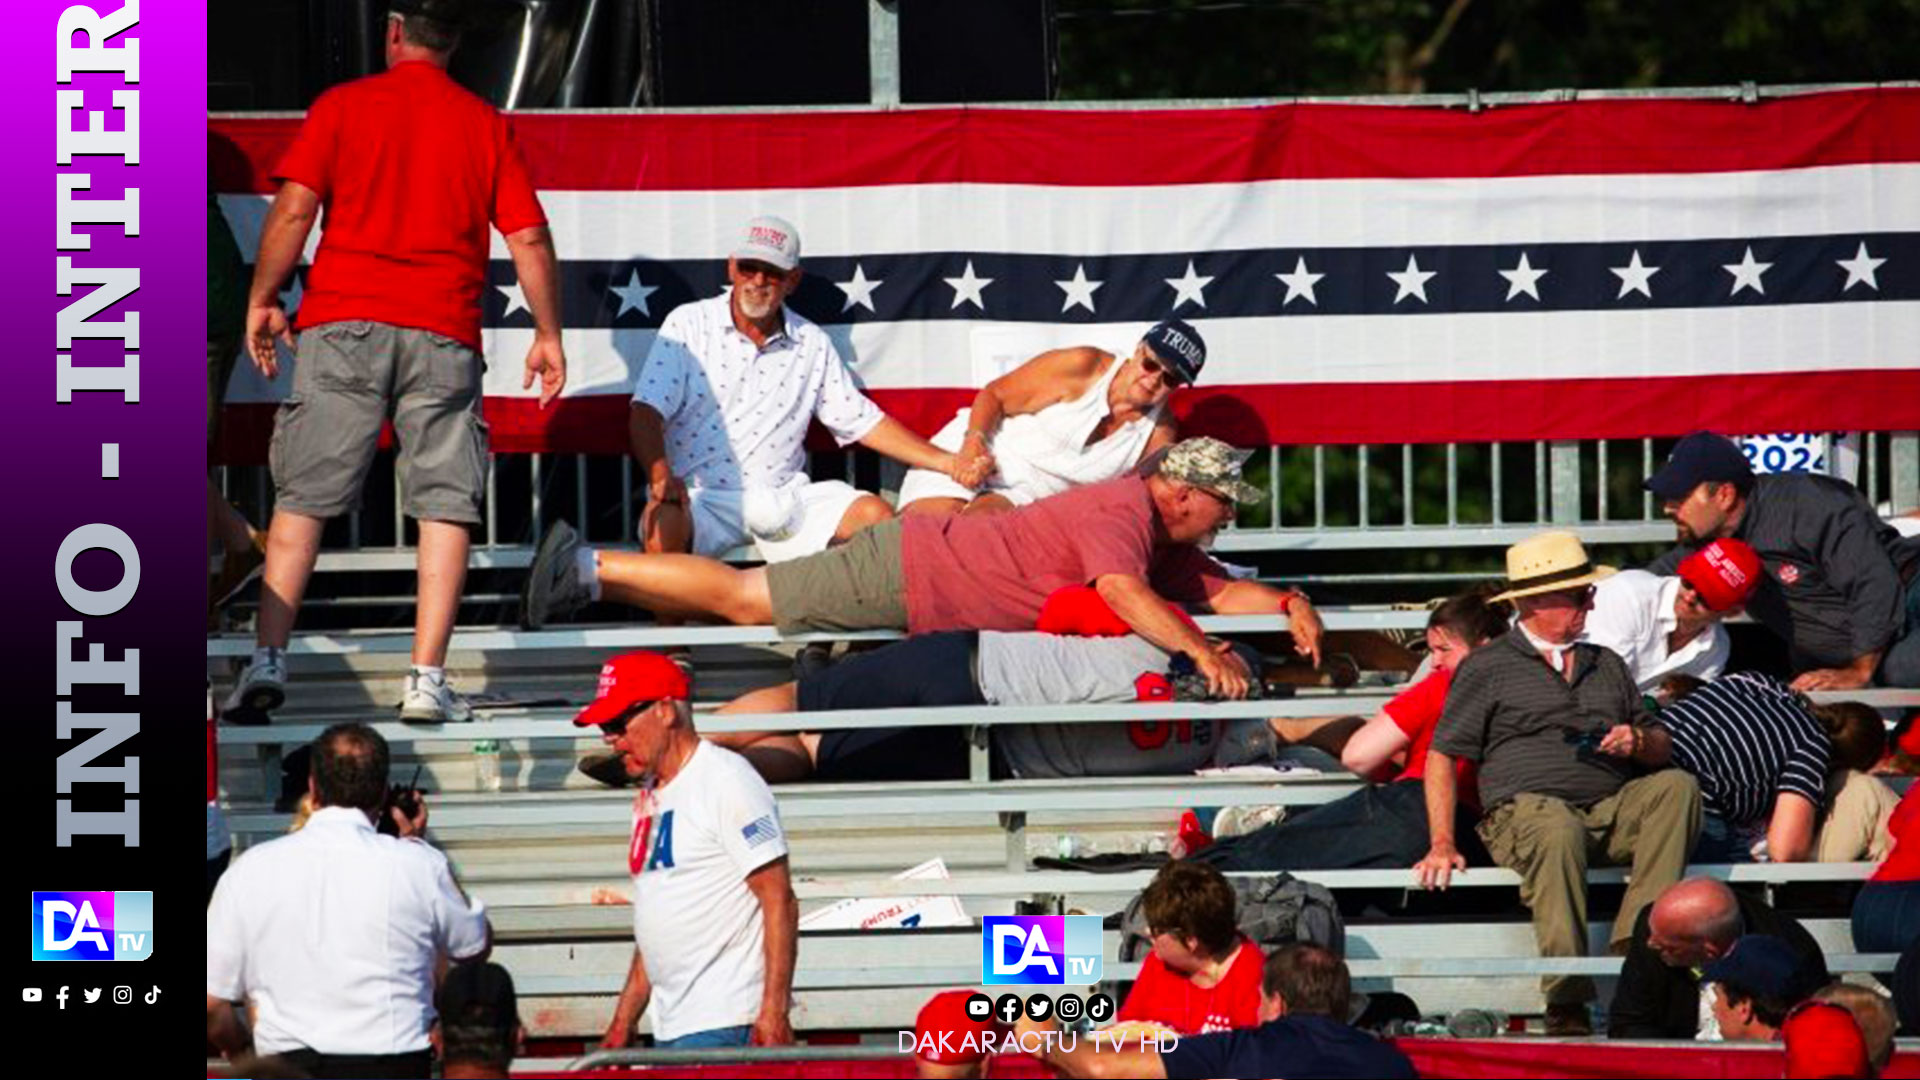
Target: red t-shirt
point(1164, 997)
point(1903, 860)
point(994, 571)
point(411, 169)
point(1416, 711)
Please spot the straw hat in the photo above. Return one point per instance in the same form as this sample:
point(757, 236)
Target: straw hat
point(1547, 563)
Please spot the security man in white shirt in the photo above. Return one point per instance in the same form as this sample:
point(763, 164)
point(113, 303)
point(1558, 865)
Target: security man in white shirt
point(715, 922)
point(720, 414)
point(1664, 626)
point(334, 932)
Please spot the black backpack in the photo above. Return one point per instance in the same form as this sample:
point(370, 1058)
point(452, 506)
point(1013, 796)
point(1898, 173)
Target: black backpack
point(1272, 909)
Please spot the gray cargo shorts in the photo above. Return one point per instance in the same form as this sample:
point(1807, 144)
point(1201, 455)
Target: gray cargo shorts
point(349, 377)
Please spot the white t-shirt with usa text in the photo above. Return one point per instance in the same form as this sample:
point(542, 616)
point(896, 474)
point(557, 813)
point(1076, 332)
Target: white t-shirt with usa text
point(698, 927)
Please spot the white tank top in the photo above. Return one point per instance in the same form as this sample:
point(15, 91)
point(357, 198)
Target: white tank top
point(1046, 452)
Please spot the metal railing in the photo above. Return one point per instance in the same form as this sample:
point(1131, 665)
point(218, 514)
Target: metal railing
point(1351, 497)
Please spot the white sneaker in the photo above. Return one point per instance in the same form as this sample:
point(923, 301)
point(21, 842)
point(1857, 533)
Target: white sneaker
point(262, 688)
point(433, 703)
point(1241, 820)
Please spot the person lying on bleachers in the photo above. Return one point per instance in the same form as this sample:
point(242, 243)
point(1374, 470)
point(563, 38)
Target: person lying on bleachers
point(1529, 709)
point(1661, 993)
point(1383, 825)
point(1137, 539)
point(1082, 655)
point(1203, 974)
point(1762, 757)
point(1065, 418)
point(1665, 626)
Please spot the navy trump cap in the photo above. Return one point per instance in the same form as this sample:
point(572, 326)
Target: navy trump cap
point(1180, 347)
point(1700, 458)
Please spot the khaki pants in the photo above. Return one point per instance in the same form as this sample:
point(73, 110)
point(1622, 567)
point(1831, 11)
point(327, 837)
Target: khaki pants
point(1648, 825)
point(1853, 824)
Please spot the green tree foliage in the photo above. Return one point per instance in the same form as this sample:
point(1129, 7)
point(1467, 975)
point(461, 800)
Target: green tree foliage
point(1133, 49)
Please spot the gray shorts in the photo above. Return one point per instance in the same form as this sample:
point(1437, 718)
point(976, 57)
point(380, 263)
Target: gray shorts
point(349, 377)
point(856, 586)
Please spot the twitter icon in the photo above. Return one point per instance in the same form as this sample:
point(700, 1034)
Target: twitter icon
point(91, 995)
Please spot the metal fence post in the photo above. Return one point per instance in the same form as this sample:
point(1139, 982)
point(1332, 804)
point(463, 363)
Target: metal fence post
point(883, 51)
point(1563, 472)
point(1903, 490)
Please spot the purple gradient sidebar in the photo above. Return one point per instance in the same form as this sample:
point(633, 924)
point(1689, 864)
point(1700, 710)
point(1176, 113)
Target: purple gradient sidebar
point(57, 454)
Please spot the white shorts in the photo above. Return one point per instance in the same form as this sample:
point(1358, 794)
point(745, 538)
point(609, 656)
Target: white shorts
point(796, 519)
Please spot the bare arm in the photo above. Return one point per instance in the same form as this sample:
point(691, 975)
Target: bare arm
point(1254, 598)
point(282, 237)
point(1443, 858)
point(225, 1029)
point(1137, 605)
point(895, 440)
point(1370, 752)
point(1166, 432)
point(772, 885)
point(633, 1002)
point(1790, 833)
point(539, 272)
point(646, 436)
point(1088, 1058)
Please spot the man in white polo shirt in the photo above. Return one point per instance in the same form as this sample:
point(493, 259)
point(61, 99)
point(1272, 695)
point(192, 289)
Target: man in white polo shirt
point(715, 923)
point(333, 933)
point(1664, 626)
point(720, 414)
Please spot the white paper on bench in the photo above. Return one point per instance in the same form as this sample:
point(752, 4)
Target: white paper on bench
point(890, 913)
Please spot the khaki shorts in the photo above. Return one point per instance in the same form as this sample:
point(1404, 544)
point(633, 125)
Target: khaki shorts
point(856, 586)
point(348, 377)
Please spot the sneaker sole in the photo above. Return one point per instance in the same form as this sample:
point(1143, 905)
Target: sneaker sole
point(539, 589)
point(255, 705)
point(423, 716)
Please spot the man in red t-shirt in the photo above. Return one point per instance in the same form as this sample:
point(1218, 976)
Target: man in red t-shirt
point(1203, 974)
point(1134, 539)
point(411, 169)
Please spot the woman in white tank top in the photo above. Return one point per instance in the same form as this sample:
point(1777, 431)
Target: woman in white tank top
point(1064, 418)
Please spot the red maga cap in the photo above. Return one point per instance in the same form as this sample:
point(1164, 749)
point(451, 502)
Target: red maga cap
point(1724, 573)
point(1824, 1040)
point(946, 1014)
point(634, 678)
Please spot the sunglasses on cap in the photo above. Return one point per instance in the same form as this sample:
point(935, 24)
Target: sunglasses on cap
point(1153, 365)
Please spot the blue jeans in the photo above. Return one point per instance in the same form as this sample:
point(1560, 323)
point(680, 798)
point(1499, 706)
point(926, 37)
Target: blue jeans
point(1720, 842)
point(712, 1037)
point(1379, 827)
point(1901, 665)
point(1886, 916)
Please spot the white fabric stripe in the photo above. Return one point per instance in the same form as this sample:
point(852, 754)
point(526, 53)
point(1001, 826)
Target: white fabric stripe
point(613, 225)
point(1477, 347)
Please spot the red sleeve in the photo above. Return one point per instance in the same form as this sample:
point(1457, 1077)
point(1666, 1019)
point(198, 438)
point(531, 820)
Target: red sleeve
point(1183, 572)
point(309, 161)
point(1419, 705)
point(1906, 814)
point(515, 206)
point(1144, 1001)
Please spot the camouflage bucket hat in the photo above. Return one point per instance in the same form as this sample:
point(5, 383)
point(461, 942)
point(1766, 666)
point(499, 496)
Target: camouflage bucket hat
point(1210, 464)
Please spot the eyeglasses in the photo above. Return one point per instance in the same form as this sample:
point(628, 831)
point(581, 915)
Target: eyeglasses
point(748, 268)
point(1153, 366)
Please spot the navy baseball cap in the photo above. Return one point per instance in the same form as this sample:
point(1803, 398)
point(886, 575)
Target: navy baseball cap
point(480, 994)
point(1700, 458)
point(1180, 347)
point(1764, 964)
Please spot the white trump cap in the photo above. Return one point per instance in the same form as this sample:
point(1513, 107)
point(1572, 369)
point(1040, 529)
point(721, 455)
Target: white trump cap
point(770, 240)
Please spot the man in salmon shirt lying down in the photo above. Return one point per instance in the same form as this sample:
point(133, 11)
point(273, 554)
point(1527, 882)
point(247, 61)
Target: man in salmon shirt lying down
point(1136, 539)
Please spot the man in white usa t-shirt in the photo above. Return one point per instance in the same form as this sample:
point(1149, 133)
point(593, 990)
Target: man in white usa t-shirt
point(715, 923)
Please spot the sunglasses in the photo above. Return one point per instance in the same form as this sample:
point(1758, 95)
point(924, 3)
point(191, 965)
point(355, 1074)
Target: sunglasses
point(1154, 366)
point(617, 726)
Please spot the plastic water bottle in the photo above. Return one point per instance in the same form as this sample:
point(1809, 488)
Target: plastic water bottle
point(486, 765)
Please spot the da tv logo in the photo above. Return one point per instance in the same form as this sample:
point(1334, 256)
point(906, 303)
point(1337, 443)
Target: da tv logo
point(92, 925)
point(1025, 950)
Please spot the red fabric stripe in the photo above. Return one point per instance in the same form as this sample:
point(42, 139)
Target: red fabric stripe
point(686, 152)
point(1324, 413)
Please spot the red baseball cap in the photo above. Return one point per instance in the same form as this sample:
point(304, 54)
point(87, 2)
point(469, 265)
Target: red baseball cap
point(1909, 741)
point(634, 678)
point(1724, 573)
point(1824, 1040)
point(946, 1014)
point(1079, 611)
